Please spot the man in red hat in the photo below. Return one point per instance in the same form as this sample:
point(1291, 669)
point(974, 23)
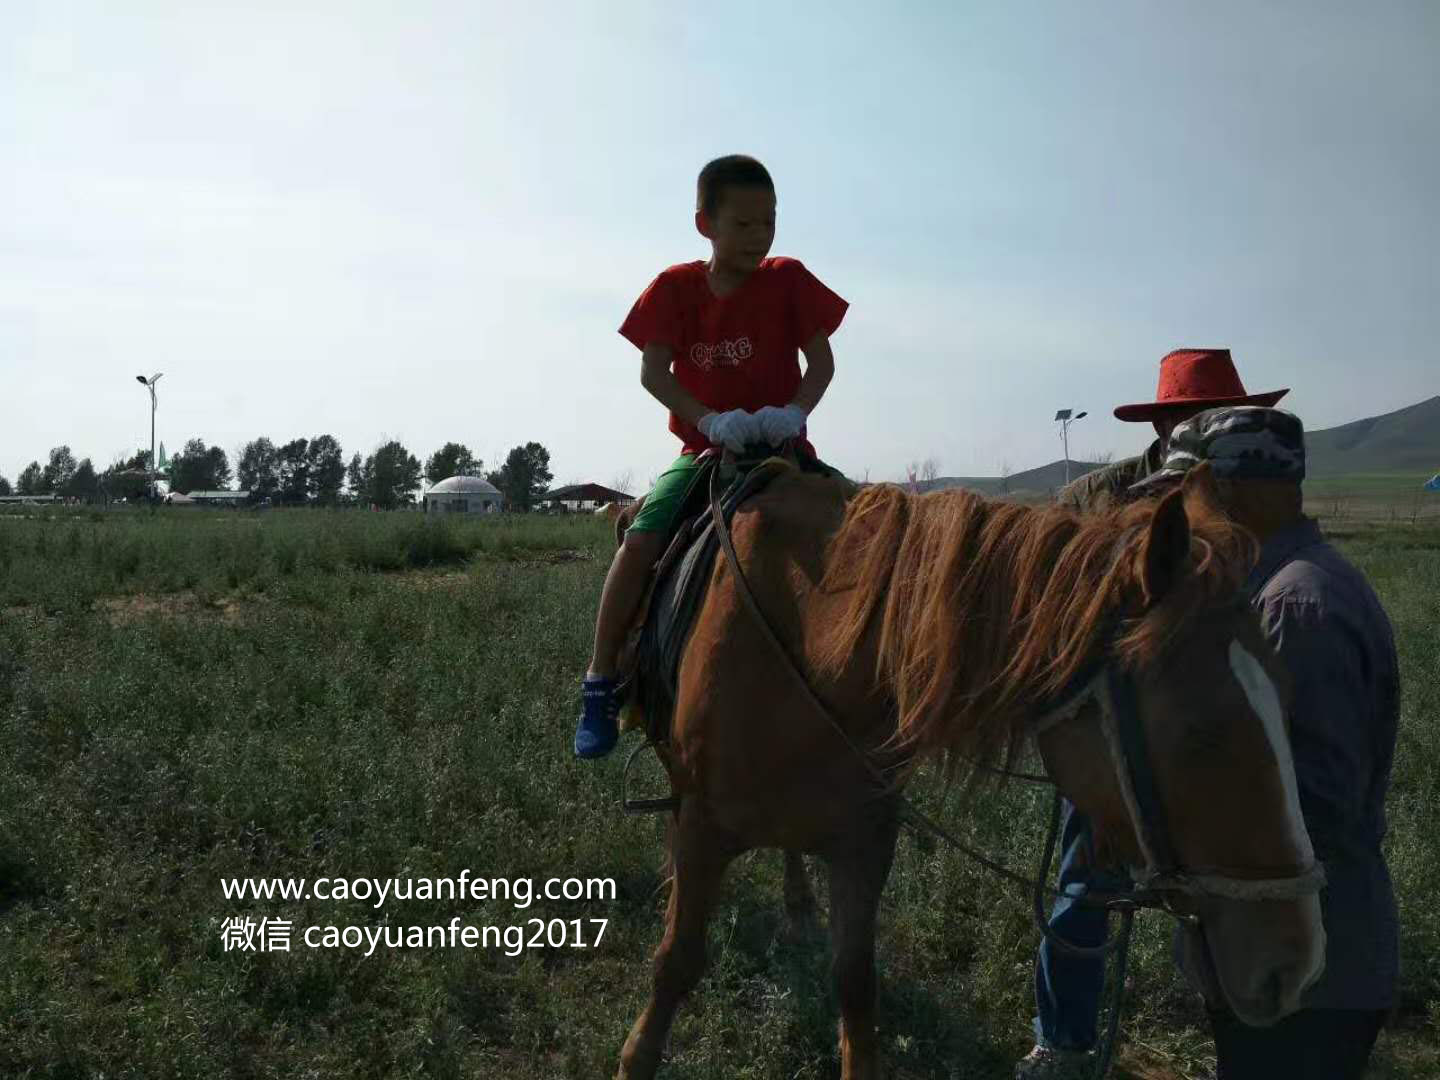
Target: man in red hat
point(1191, 381)
point(1067, 988)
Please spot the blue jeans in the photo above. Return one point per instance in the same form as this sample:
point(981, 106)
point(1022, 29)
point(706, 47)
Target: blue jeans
point(1068, 988)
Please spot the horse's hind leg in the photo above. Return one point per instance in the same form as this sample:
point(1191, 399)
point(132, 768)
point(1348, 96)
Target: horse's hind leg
point(799, 897)
point(699, 858)
point(857, 877)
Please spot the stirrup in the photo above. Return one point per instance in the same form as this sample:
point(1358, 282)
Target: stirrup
point(644, 806)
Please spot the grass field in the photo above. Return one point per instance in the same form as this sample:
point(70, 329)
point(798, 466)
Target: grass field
point(186, 698)
point(1402, 486)
point(1388, 498)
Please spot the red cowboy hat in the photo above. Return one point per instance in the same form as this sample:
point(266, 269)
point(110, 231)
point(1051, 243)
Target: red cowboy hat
point(1204, 377)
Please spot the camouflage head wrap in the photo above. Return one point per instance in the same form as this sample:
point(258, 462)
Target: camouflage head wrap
point(1241, 442)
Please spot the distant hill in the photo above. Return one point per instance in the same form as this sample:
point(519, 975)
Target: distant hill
point(1043, 479)
point(1406, 440)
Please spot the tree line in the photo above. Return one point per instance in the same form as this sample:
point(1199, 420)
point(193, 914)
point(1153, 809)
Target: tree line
point(300, 472)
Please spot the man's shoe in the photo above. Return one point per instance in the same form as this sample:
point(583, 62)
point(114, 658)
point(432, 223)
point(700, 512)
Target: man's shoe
point(1045, 1063)
point(598, 730)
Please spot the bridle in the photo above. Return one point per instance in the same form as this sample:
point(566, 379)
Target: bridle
point(1112, 688)
point(1106, 683)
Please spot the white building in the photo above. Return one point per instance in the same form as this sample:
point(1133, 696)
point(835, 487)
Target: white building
point(463, 495)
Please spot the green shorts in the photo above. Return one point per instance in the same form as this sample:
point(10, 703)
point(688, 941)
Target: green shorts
point(663, 504)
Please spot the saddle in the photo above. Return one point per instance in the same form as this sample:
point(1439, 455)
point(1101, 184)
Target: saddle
point(682, 577)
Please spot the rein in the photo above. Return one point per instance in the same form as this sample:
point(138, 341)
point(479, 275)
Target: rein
point(911, 815)
point(1114, 691)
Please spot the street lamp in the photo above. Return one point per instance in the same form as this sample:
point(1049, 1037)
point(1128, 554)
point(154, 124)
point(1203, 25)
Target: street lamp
point(1066, 419)
point(150, 384)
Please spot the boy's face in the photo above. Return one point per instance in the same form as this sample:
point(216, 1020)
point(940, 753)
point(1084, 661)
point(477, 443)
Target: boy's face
point(742, 229)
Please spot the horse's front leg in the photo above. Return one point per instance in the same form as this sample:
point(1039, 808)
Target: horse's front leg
point(857, 878)
point(699, 855)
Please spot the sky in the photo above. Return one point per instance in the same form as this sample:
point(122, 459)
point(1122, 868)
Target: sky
point(426, 221)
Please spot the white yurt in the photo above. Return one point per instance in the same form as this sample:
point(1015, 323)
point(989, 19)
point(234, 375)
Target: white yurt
point(463, 495)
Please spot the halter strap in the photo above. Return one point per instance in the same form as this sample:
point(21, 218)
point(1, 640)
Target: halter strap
point(1124, 732)
point(1130, 754)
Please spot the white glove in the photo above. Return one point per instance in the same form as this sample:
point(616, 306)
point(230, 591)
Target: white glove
point(779, 424)
point(734, 429)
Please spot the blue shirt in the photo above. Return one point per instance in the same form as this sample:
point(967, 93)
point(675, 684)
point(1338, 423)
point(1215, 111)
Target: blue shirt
point(1326, 622)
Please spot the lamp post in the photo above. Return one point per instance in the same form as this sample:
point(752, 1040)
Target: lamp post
point(150, 384)
point(1066, 419)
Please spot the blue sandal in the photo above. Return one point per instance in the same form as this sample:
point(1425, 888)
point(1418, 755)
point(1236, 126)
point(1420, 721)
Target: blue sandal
point(598, 730)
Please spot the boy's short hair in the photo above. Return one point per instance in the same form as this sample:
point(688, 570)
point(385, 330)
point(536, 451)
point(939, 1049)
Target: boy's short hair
point(732, 170)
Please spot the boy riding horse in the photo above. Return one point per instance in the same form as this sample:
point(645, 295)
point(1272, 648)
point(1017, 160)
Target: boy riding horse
point(719, 341)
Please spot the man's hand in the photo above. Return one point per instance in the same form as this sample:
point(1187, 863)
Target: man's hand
point(779, 424)
point(734, 429)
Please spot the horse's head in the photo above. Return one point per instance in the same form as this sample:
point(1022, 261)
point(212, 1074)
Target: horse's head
point(1200, 792)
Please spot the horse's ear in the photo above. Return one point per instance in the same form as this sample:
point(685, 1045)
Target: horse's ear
point(1202, 494)
point(1166, 548)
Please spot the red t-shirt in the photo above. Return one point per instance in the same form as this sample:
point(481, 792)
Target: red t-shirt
point(740, 351)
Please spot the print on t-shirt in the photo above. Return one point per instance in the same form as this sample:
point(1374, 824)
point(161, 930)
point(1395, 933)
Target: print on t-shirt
point(722, 354)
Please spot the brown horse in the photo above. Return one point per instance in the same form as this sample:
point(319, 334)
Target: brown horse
point(944, 625)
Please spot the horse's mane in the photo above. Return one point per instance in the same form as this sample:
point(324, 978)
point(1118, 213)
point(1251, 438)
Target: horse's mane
point(986, 609)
